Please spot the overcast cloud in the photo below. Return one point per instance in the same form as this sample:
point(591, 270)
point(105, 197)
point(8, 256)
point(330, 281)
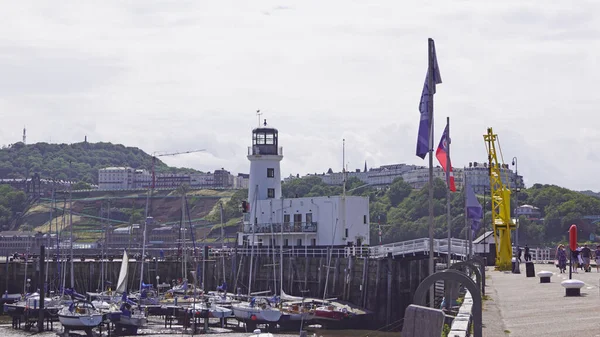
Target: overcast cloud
point(185, 75)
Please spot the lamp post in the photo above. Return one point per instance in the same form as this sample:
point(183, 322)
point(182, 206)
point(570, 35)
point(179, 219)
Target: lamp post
point(484, 228)
point(515, 164)
point(157, 285)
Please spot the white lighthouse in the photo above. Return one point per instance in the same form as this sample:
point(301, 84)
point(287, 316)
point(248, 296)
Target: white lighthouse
point(308, 223)
point(265, 156)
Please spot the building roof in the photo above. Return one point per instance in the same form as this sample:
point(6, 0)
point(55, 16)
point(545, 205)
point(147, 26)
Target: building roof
point(163, 229)
point(528, 206)
point(122, 230)
point(19, 234)
point(485, 236)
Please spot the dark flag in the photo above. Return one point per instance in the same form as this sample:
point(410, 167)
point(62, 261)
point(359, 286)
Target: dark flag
point(424, 138)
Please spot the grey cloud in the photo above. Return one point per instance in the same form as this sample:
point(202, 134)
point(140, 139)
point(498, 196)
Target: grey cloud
point(34, 71)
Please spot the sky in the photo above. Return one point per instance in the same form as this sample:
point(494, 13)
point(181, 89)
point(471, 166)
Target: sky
point(174, 76)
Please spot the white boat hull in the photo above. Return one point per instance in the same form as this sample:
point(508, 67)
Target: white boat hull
point(246, 313)
point(83, 321)
point(134, 320)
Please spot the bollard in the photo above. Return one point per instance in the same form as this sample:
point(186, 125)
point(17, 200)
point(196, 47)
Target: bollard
point(572, 287)
point(545, 276)
point(515, 266)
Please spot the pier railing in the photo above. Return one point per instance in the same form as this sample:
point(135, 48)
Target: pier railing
point(412, 247)
point(277, 228)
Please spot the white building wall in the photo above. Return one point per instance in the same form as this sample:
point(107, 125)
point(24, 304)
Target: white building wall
point(327, 212)
point(258, 177)
point(115, 178)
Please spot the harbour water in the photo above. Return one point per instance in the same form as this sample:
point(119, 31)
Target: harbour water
point(7, 331)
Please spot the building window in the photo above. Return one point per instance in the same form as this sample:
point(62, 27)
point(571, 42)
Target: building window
point(270, 173)
point(286, 218)
point(346, 232)
point(286, 242)
point(313, 242)
point(270, 193)
point(308, 218)
point(364, 219)
point(299, 242)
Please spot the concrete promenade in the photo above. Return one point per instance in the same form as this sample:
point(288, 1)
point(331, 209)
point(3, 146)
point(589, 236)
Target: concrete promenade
point(522, 306)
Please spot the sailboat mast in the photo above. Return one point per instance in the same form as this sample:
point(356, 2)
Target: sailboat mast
point(272, 248)
point(222, 240)
point(71, 234)
point(143, 253)
point(63, 272)
point(52, 205)
point(144, 234)
point(281, 252)
point(253, 238)
point(183, 247)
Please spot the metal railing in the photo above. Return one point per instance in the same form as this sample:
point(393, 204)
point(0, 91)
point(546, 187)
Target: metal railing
point(287, 251)
point(278, 228)
point(459, 247)
point(265, 149)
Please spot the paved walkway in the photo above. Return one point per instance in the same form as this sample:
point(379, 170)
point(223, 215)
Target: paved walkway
point(522, 306)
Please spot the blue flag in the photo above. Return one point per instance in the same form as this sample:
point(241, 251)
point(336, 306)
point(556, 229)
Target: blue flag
point(424, 138)
point(473, 209)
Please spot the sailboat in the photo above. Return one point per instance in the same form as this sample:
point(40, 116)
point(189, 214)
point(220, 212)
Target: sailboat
point(81, 314)
point(126, 315)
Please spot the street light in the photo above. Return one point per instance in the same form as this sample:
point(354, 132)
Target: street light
point(157, 285)
point(515, 164)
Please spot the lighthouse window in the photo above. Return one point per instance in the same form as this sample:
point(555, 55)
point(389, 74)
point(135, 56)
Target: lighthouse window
point(270, 139)
point(270, 193)
point(270, 173)
point(260, 138)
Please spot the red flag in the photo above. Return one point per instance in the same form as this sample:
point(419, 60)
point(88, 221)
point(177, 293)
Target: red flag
point(442, 155)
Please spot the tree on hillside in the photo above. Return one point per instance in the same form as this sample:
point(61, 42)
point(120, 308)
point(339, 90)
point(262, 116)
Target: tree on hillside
point(398, 191)
point(78, 161)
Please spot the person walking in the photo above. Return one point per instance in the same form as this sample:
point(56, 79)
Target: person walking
point(574, 260)
point(597, 258)
point(519, 252)
point(586, 254)
point(561, 257)
point(527, 255)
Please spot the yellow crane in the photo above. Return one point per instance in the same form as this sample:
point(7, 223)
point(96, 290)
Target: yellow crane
point(501, 221)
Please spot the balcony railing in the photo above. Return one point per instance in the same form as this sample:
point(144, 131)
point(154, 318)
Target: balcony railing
point(277, 228)
point(265, 150)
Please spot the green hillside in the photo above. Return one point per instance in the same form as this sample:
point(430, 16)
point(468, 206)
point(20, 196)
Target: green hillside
point(403, 212)
point(93, 211)
point(78, 161)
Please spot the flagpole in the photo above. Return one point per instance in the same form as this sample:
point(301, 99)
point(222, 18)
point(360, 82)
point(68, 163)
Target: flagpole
point(467, 229)
point(430, 84)
point(448, 168)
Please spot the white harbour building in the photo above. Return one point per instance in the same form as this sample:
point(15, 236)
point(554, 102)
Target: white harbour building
point(273, 221)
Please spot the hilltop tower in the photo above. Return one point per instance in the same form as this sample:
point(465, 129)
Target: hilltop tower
point(265, 156)
point(24, 136)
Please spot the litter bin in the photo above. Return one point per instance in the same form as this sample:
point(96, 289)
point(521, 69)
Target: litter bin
point(515, 266)
point(529, 269)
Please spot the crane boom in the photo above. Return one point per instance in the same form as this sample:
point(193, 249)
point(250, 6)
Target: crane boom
point(163, 155)
point(501, 222)
point(176, 153)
